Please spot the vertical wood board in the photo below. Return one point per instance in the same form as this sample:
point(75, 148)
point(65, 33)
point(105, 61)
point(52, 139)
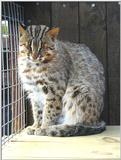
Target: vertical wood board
point(113, 51)
point(65, 16)
point(37, 13)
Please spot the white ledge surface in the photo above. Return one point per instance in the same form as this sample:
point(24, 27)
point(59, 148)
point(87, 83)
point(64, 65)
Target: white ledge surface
point(104, 146)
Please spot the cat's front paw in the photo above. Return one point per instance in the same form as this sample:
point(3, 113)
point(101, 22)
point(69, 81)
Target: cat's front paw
point(30, 130)
point(40, 132)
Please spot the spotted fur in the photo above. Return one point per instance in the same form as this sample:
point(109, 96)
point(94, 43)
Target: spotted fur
point(65, 83)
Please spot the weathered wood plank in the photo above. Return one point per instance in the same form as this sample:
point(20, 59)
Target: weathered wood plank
point(113, 44)
point(65, 16)
point(37, 13)
point(93, 28)
point(114, 100)
point(93, 34)
point(113, 30)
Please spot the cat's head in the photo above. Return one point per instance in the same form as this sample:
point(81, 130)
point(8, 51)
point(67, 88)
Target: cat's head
point(37, 42)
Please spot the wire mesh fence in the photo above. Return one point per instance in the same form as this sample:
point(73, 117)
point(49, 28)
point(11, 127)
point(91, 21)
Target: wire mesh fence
point(13, 98)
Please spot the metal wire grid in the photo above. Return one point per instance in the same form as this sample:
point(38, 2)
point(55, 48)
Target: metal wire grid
point(13, 98)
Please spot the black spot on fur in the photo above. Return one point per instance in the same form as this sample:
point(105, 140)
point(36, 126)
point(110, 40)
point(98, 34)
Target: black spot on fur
point(75, 93)
point(53, 133)
point(37, 64)
point(58, 108)
point(46, 83)
point(62, 133)
point(49, 111)
point(53, 115)
point(53, 79)
point(59, 97)
point(45, 90)
point(40, 112)
point(52, 90)
point(75, 87)
point(51, 106)
point(83, 108)
point(40, 82)
point(88, 99)
point(93, 106)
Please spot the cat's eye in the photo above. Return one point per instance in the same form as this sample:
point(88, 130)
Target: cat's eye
point(48, 54)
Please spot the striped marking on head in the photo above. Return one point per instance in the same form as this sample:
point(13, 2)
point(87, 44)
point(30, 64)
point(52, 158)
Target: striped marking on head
point(37, 32)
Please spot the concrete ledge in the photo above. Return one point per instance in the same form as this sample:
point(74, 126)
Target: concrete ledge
point(104, 146)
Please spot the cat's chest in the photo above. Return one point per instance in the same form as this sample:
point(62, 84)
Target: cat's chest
point(31, 80)
point(31, 75)
point(29, 72)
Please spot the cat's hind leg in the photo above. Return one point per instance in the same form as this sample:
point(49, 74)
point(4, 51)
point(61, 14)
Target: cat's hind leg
point(82, 104)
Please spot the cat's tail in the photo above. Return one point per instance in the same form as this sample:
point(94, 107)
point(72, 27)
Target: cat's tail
point(74, 130)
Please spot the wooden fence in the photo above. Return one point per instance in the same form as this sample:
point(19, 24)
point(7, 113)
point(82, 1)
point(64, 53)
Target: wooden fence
point(95, 24)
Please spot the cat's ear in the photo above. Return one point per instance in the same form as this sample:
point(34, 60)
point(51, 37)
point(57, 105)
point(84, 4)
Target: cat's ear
point(21, 30)
point(53, 33)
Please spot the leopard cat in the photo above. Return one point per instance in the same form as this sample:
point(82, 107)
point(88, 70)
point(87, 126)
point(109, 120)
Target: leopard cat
point(64, 81)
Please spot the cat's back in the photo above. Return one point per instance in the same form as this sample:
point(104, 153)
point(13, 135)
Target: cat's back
point(81, 54)
point(86, 66)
